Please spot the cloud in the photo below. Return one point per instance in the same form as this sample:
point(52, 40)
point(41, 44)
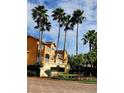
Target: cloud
point(89, 7)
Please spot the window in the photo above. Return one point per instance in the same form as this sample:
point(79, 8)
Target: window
point(47, 56)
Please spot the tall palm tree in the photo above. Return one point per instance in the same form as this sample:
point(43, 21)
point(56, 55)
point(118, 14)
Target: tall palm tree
point(40, 16)
point(91, 57)
point(58, 15)
point(95, 41)
point(91, 38)
point(78, 17)
point(67, 26)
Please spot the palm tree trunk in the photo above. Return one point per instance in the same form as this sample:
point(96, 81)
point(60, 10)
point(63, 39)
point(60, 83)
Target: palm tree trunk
point(77, 40)
point(57, 43)
point(58, 38)
point(41, 43)
point(40, 47)
point(38, 60)
point(89, 46)
point(91, 69)
point(65, 40)
point(38, 54)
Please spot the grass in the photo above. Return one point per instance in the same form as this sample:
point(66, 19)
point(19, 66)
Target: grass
point(88, 81)
point(73, 77)
point(64, 76)
point(67, 75)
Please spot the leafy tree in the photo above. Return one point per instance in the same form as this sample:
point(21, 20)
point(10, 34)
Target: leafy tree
point(40, 16)
point(93, 61)
point(93, 58)
point(77, 62)
point(81, 62)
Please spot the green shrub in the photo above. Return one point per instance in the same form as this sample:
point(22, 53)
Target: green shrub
point(31, 73)
point(33, 70)
point(63, 76)
point(48, 72)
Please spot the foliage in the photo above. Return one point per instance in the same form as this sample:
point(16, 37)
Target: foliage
point(91, 38)
point(58, 68)
point(67, 26)
point(33, 70)
point(58, 15)
point(41, 18)
point(31, 73)
point(78, 17)
point(48, 72)
point(89, 81)
point(64, 76)
point(80, 63)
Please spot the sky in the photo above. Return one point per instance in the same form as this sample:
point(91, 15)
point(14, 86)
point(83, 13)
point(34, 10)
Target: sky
point(90, 23)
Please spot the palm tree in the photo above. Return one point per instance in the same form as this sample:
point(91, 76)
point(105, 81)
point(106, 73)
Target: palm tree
point(58, 15)
point(91, 57)
point(40, 16)
point(77, 19)
point(95, 41)
point(67, 26)
point(91, 38)
point(81, 61)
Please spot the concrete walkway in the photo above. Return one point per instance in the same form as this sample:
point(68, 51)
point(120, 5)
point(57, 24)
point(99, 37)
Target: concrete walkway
point(38, 85)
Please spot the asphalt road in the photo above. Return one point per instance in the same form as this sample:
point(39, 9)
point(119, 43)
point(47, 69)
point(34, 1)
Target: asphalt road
point(39, 85)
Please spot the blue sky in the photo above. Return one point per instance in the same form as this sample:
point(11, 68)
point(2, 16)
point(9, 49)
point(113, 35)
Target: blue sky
point(90, 12)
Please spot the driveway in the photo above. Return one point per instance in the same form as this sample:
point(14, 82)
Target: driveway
point(39, 85)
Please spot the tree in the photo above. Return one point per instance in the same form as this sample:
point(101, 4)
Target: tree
point(58, 15)
point(91, 38)
point(80, 63)
point(94, 41)
point(91, 57)
point(76, 62)
point(67, 26)
point(77, 19)
point(40, 16)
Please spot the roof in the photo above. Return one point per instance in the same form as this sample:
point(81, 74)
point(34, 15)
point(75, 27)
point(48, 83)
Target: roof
point(33, 37)
point(42, 42)
point(50, 43)
point(60, 51)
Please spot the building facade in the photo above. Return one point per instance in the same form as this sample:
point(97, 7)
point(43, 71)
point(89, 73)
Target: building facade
point(49, 55)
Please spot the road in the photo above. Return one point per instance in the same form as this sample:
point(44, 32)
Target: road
point(39, 85)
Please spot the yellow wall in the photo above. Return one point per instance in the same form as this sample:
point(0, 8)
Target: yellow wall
point(48, 48)
point(62, 56)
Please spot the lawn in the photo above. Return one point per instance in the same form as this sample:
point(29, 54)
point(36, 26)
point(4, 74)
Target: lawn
point(89, 81)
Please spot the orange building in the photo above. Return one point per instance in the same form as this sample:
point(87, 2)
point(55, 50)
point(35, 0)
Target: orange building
point(50, 57)
point(48, 51)
point(32, 49)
